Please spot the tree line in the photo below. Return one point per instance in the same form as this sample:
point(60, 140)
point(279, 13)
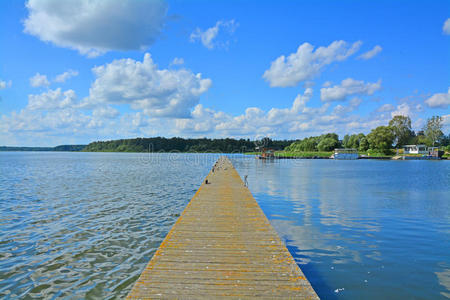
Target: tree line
point(57, 148)
point(161, 144)
point(381, 139)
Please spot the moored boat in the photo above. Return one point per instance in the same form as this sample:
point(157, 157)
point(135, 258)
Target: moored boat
point(345, 153)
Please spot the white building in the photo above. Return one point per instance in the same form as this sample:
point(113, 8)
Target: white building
point(415, 149)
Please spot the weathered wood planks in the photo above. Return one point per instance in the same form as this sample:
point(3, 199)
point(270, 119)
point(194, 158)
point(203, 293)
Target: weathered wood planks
point(222, 246)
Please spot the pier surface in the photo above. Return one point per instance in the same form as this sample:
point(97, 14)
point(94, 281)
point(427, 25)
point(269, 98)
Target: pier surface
point(222, 246)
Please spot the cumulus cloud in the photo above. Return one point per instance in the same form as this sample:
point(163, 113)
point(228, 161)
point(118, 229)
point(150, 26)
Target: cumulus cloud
point(105, 112)
point(402, 110)
point(208, 37)
point(307, 63)
point(95, 26)
point(5, 84)
point(157, 92)
point(39, 80)
point(348, 87)
point(58, 112)
point(254, 121)
point(446, 27)
point(299, 120)
point(352, 106)
point(440, 100)
point(52, 99)
point(53, 114)
point(371, 53)
point(62, 121)
point(65, 76)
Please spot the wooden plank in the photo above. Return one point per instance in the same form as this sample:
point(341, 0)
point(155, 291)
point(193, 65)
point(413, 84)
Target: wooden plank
point(222, 246)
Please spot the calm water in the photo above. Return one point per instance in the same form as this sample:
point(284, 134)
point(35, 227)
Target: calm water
point(84, 225)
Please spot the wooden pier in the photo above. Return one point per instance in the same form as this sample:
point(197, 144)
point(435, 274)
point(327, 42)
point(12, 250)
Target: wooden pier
point(222, 246)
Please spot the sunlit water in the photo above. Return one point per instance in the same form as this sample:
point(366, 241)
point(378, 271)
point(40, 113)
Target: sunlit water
point(84, 225)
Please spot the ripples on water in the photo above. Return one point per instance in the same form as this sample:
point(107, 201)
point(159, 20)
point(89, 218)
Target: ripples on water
point(84, 225)
point(361, 229)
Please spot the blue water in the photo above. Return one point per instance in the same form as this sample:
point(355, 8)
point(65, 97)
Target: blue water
point(84, 225)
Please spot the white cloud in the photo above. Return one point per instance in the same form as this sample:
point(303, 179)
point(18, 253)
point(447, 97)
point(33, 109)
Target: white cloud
point(158, 92)
point(53, 122)
point(52, 99)
point(371, 53)
point(95, 26)
point(5, 84)
point(208, 36)
point(307, 63)
point(440, 100)
point(446, 27)
point(177, 61)
point(348, 87)
point(39, 80)
point(105, 112)
point(58, 113)
point(297, 121)
point(402, 110)
point(352, 106)
point(66, 75)
point(446, 120)
point(386, 108)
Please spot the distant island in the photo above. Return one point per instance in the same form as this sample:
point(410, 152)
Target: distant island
point(71, 148)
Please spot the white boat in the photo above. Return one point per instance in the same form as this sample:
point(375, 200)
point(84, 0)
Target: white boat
point(345, 153)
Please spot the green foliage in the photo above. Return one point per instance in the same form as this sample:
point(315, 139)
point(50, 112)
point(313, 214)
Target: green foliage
point(433, 129)
point(381, 139)
point(378, 153)
point(69, 148)
point(363, 144)
point(327, 144)
point(422, 140)
point(312, 143)
point(353, 141)
point(445, 140)
point(401, 128)
point(160, 144)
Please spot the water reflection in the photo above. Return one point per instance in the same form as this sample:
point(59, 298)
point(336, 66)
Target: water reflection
point(360, 229)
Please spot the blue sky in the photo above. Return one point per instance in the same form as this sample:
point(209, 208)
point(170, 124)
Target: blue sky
point(80, 71)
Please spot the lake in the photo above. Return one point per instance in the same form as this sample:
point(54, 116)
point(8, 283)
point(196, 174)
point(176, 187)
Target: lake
point(84, 225)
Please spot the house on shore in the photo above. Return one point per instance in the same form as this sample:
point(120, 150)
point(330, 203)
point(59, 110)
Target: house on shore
point(427, 152)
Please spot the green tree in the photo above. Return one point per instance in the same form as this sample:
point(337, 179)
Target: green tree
point(363, 144)
point(401, 127)
point(328, 144)
point(433, 129)
point(345, 141)
point(381, 139)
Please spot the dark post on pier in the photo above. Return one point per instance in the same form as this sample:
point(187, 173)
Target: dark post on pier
point(222, 246)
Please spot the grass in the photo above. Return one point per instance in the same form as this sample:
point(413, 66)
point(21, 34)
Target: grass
point(376, 154)
point(303, 154)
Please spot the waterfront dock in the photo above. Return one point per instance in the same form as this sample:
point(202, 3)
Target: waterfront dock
point(222, 246)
